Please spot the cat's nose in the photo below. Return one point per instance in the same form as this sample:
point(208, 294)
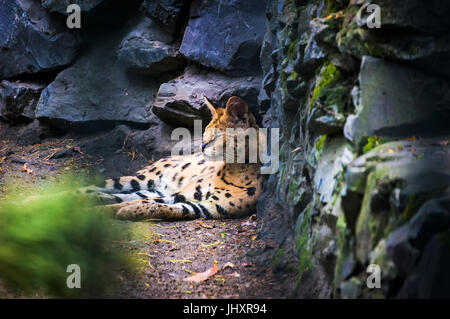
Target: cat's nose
point(203, 146)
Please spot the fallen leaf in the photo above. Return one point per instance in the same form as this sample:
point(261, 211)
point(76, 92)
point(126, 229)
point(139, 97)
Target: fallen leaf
point(205, 225)
point(26, 169)
point(214, 244)
point(202, 276)
point(164, 241)
point(173, 261)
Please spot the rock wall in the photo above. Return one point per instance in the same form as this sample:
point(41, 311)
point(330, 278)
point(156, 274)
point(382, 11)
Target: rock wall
point(363, 116)
point(136, 63)
point(365, 165)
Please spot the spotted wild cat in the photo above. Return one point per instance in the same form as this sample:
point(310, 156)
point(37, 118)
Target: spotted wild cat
point(192, 186)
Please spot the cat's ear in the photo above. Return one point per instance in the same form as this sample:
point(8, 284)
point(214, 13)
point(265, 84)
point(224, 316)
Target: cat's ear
point(210, 106)
point(237, 107)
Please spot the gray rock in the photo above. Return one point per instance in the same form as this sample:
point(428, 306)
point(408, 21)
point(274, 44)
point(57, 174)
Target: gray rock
point(405, 243)
point(413, 14)
point(167, 12)
point(380, 257)
point(431, 278)
point(147, 49)
point(267, 59)
point(418, 34)
point(18, 100)
point(61, 5)
point(398, 101)
point(324, 32)
point(34, 133)
point(27, 35)
point(180, 101)
point(390, 176)
point(433, 217)
point(351, 289)
point(336, 154)
point(313, 56)
point(225, 35)
point(98, 87)
point(154, 142)
point(403, 254)
point(326, 121)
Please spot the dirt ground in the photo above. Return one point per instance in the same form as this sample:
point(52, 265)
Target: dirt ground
point(169, 252)
point(177, 250)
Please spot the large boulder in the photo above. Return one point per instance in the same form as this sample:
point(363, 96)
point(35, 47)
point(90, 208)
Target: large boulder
point(34, 133)
point(18, 100)
point(394, 178)
point(411, 31)
point(98, 87)
point(225, 35)
point(397, 101)
point(180, 101)
point(147, 49)
point(404, 243)
point(30, 40)
point(412, 14)
point(431, 278)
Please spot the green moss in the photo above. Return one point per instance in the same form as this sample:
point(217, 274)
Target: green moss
point(332, 6)
point(293, 76)
point(329, 74)
point(295, 190)
point(337, 95)
point(277, 258)
point(413, 205)
point(344, 251)
point(320, 143)
point(373, 49)
point(372, 142)
point(371, 225)
point(292, 50)
point(302, 244)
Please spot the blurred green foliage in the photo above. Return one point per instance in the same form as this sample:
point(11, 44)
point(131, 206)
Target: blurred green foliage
point(43, 234)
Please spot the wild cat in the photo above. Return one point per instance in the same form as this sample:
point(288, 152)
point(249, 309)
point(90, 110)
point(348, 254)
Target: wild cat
point(191, 186)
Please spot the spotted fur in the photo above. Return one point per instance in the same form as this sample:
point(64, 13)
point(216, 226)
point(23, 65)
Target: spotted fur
point(192, 186)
